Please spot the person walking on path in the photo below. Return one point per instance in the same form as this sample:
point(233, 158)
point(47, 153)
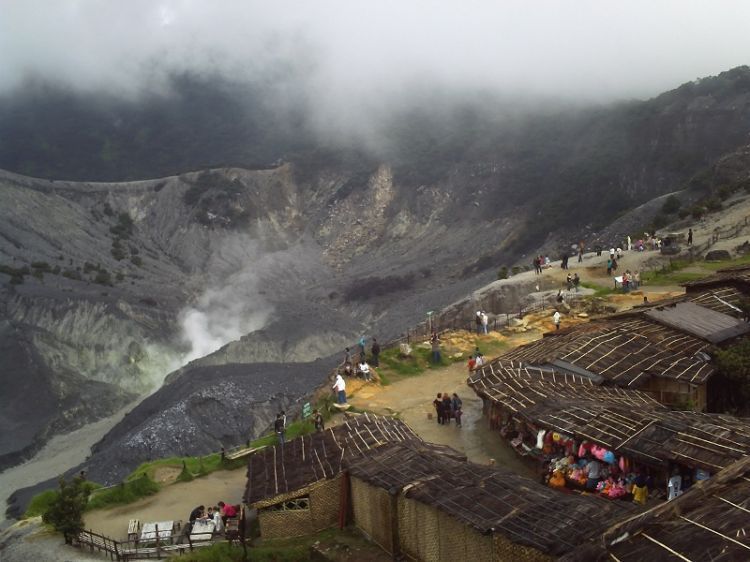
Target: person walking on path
point(456, 404)
point(435, 343)
point(447, 408)
point(278, 427)
point(556, 319)
point(375, 350)
point(340, 387)
point(438, 403)
point(690, 236)
point(485, 322)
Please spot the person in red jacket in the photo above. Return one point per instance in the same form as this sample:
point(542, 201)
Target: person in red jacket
point(227, 511)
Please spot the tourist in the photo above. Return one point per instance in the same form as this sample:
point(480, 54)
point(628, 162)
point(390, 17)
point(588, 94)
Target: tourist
point(347, 356)
point(227, 512)
point(556, 319)
point(457, 405)
point(438, 403)
point(447, 408)
point(318, 421)
point(627, 244)
point(340, 387)
point(348, 370)
point(477, 353)
point(375, 350)
point(218, 523)
point(278, 427)
point(636, 280)
point(362, 342)
point(478, 321)
point(364, 370)
point(576, 282)
point(593, 474)
point(559, 297)
point(472, 363)
point(196, 514)
point(690, 236)
point(569, 281)
point(609, 266)
point(479, 361)
point(537, 265)
point(435, 344)
point(546, 261)
point(581, 247)
point(485, 322)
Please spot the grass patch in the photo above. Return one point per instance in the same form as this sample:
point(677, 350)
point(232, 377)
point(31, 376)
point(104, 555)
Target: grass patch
point(124, 493)
point(599, 291)
point(40, 503)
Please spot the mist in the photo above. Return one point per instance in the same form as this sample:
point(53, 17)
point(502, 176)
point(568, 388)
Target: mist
point(350, 60)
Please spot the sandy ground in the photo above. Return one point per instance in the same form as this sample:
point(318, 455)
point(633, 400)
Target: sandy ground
point(172, 503)
point(58, 455)
point(412, 399)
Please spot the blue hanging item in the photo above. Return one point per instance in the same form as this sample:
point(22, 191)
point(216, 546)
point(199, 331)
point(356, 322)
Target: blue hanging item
point(609, 457)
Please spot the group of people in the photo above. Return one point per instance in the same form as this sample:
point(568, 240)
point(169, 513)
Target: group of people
point(362, 367)
point(447, 407)
point(217, 514)
point(630, 281)
point(481, 320)
point(572, 282)
point(476, 360)
point(540, 262)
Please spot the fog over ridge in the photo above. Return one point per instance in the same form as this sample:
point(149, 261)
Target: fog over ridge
point(359, 52)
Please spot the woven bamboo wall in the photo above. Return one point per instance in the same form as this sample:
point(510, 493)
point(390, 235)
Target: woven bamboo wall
point(507, 550)
point(325, 502)
point(325, 498)
point(372, 513)
point(280, 524)
point(429, 535)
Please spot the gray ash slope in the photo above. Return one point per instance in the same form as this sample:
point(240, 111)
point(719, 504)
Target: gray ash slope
point(225, 404)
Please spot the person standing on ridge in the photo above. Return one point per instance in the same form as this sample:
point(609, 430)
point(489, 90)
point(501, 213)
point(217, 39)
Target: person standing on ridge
point(581, 246)
point(435, 344)
point(375, 350)
point(690, 236)
point(485, 322)
point(278, 427)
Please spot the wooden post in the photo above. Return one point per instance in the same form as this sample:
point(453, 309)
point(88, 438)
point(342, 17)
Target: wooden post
point(158, 551)
point(242, 533)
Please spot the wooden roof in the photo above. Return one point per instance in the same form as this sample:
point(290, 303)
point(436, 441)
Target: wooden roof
point(626, 421)
point(301, 462)
point(625, 350)
point(710, 521)
point(489, 499)
point(702, 322)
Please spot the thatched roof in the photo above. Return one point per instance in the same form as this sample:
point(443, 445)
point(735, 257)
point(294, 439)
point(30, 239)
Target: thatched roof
point(625, 350)
point(737, 276)
point(628, 422)
point(301, 462)
point(710, 521)
point(491, 500)
point(723, 298)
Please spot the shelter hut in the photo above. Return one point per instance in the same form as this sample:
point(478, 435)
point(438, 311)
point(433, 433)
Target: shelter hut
point(632, 351)
point(710, 521)
point(426, 505)
point(299, 488)
point(627, 422)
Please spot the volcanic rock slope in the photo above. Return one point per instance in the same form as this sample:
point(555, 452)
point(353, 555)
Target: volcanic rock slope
point(107, 287)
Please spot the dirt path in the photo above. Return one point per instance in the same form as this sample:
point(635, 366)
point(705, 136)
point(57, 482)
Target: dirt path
point(412, 399)
point(173, 502)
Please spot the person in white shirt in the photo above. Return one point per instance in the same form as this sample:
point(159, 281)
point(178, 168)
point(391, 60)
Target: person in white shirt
point(340, 387)
point(364, 368)
point(485, 321)
point(218, 523)
point(556, 319)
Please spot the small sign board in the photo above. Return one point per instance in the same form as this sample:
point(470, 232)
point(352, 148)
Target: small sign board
point(306, 410)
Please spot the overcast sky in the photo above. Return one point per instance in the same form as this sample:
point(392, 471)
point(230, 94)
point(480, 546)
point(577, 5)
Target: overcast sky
point(377, 49)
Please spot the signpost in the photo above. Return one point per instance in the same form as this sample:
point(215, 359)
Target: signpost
point(306, 410)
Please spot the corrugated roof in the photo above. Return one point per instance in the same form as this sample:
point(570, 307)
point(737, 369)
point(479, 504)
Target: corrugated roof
point(699, 321)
